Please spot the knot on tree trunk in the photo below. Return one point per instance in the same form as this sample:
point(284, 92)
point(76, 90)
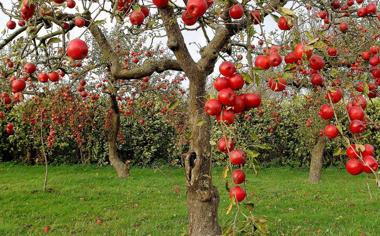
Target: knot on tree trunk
point(189, 161)
point(204, 195)
point(173, 44)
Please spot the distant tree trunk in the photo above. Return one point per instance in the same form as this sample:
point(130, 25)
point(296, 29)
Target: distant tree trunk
point(28, 156)
point(317, 161)
point(120, 167)
point(44, 154)
point(202, 195)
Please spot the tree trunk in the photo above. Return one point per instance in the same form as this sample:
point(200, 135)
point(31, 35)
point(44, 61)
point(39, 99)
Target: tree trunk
point(202, 196)
point(120, 167)
point(28, 156)
point(317, 161)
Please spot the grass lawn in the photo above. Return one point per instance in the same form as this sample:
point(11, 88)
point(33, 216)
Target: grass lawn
point(152, 202)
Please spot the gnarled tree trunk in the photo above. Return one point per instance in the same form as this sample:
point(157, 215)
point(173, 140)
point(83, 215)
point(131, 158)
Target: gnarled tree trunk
point(202, 196)
point(120, 167)
point(317, 161)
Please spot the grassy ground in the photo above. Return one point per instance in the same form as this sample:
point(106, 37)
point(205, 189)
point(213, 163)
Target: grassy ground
point(152, 202)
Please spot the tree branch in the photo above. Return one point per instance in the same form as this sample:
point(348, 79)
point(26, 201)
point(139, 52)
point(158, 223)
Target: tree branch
point(209, 54)
point(176, 42)
point(148, 68)
point(12, 36)
point(108, 54)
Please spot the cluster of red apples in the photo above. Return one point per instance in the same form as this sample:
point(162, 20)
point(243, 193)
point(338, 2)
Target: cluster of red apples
point(363, 160)
point(361, 157)
point(271, 58)
point(347, 9)
point(227, 105)
point(28, 9)
point(77, 49)
point(195, 9)
point(138, 15)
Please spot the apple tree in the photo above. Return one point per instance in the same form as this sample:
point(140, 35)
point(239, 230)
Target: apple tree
point(300, 47)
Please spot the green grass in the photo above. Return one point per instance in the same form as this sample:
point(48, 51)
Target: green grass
point(153, 202)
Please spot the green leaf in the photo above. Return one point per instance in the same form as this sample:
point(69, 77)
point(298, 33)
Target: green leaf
point(229, 208)
point(136, 7)
point(254, 137)
point(287, 75)
point(346, 140)
point(241, 35)
point(309, 36)
point(319, 45)
point(99, 22)
point(275, 18)
point(257, 80)
point(174, 105)
point(225, 172)
point(334, 72)
point(339, 128)
point(150, 24)
point(338, 152)
point(251, 31)
point(53, 40)
point(252, 153)
point(211, 96)
point(289, 67)
point(247, 78)
point(263, 146)
point(287, 11)
point(200, 123)
point(366, 89)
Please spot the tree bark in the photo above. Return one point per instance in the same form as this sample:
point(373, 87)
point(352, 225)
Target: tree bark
point(120, 167)
point(202, 196)
point(317, 161)
point(28, 156)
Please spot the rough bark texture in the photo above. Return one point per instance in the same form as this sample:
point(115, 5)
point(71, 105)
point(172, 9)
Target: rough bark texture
point(120, 167)
point(317, 161)
point(203, 213)
point(202, 196)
